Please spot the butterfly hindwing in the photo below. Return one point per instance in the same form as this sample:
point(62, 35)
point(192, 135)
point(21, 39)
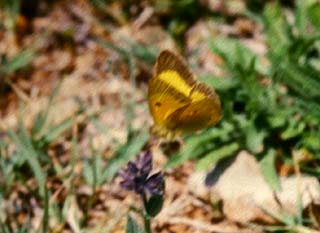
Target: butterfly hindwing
point(195, 116)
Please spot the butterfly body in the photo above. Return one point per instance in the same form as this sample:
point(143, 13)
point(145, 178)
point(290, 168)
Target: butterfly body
point(178, 103)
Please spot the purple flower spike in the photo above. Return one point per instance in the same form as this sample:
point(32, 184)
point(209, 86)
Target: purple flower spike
point(145, 162)
point(136, 176)
point(154, 184)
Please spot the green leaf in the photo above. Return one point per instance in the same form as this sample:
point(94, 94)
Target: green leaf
point(278, 119)
point(294, 129)
point(7, 165)
point(25, 149)
point(42, 117)
point(311, 140)
point(197, 145)
point(132, 226)
point(145, 53)
point(301, 15)
point(299, 79)
point(93, 168)
point(254, 138)
point(19, 61)
point(154, 205)
point(232, 52)
point(277, 29)
point(45, 219)
point(214, 156)
point(55, 131)
point(314, 15)
point(267, 165)
point(219, 83)
point(12, 8)
point(99, 126)
point(88, 173)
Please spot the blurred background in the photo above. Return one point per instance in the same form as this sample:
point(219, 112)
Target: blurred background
point(73, 111)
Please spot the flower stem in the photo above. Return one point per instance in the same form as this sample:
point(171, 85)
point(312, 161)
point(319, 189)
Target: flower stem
point(147, 224)
point(146, 217)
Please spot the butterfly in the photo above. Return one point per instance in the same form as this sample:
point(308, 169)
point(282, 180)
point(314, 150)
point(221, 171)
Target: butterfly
point(177, 102)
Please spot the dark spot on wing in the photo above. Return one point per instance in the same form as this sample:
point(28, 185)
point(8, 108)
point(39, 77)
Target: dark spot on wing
point(158, 104)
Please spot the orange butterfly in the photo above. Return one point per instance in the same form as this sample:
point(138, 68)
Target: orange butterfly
point(177, 102)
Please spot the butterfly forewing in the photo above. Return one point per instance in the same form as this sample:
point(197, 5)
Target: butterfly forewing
point(164, 99)
point(168, 61)
point(164, 94)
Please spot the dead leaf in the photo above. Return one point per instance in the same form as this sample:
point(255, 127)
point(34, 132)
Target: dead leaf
point(73, 213)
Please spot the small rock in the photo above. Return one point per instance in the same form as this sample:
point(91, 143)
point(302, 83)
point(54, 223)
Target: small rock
point(247, 197)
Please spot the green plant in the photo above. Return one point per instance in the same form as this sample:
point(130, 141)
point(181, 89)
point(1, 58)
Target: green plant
point(12, 9)
point(136, 177)
point(270, 109)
